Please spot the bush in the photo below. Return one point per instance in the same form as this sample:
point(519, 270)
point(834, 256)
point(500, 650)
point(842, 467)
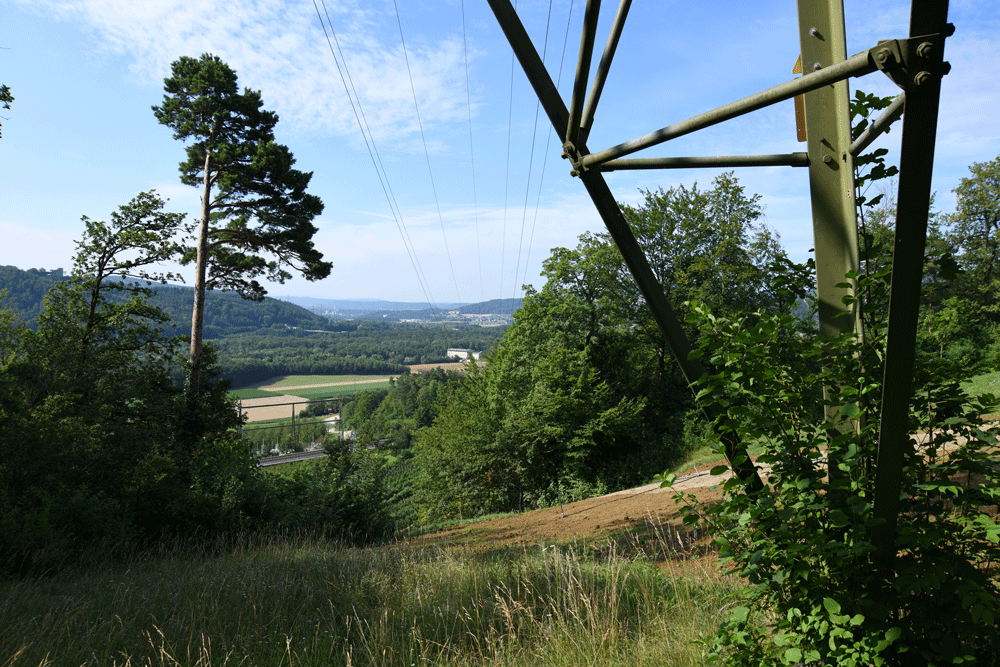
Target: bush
point(806, 543)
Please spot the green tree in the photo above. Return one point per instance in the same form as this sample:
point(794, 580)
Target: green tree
point(580, 395)
point(708, 245)
point(256, 216)
point(805, 544)
point(112, 256)
point(97, 439)
point(975, 231)
point(5, 98)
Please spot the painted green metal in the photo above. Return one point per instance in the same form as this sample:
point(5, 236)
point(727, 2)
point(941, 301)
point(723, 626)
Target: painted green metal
point(857, 65)
point(916, 162)
point(619, 229)
point(916, 65)
point(788, 160)
point(572, 131)
point(823, 43)
point(879, 125)
point(603, 67)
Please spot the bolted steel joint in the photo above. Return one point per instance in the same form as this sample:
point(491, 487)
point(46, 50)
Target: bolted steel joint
point(923, 78)
point(925, 49)
point(571, 153)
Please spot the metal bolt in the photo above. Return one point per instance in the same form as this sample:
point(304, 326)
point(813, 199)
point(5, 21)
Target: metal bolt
point(882, 57)
point(922, 78)
point(828, 159)
point(814, 32)
point(925, 50)
point(817, 67)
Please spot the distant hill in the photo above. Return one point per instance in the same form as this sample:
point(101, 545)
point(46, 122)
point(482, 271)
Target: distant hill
point(225, 312)
point(355, 306)
point(494, 307)
point(404, 311)
point(26, 290)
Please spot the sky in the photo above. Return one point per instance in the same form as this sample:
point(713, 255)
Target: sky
point(479, 195)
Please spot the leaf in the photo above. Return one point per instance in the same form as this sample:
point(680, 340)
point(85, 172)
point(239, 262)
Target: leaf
point(849, 410)
point(831, 605)
point(668, 480)
point(739, 614)
point(793, 655)
point(719, 470)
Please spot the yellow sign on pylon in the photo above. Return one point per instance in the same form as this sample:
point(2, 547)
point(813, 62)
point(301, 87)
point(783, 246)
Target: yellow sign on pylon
point(800, 106)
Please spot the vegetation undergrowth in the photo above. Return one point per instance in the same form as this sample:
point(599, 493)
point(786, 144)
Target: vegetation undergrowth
point(808, 543)
point(307, 601)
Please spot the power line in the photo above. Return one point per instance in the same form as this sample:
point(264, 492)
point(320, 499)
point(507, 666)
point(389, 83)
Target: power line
point(531, 162)
point(401, 223)
point(420, 124)
point(472, 155)
point(506, 182)
point(545, 161)
point(383, 176)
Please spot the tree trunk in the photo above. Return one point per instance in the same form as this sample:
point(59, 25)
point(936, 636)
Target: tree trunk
point(201, 266)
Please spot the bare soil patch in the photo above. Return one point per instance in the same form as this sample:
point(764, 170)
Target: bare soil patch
point(646, 511)
point(261, 409)
point(450, 366)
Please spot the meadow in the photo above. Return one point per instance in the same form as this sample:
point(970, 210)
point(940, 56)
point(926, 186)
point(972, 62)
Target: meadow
point(312, 387)
point(304, 601)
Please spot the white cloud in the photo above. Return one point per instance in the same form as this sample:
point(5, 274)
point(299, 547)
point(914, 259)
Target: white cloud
point(280, 49)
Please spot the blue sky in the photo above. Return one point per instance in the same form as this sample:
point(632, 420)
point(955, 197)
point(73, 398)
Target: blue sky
point(81, 139)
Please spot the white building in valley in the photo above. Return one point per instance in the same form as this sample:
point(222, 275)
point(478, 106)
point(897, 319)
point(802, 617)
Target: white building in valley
point(462, 354)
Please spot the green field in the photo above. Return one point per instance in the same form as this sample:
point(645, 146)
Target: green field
point(987, 383)
point(320, 386)
point(281, 421)
point(317, 393)
point(299, 380)
point(245, 394)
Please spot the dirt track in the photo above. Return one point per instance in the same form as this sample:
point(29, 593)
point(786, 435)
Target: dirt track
point(641, 509)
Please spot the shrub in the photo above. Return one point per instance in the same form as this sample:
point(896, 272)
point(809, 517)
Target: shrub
point(805, 543)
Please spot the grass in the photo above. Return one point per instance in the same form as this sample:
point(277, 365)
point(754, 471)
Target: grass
point(288, 469)
point(299, 380)
point(705, 454)
point(342, 390)
point(300, 602)
point(987, 383)
point(324, 386)
point(246, 394)
point(281, 421)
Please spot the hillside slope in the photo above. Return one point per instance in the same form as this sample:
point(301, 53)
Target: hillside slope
point(225, 312)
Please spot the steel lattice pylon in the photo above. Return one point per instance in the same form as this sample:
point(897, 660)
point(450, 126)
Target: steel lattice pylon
point(915, 63)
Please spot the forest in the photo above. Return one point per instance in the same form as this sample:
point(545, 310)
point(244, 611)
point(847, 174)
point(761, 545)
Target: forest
point(259, 340)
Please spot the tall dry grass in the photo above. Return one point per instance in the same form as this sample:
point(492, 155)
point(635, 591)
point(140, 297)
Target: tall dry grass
point(308, 602)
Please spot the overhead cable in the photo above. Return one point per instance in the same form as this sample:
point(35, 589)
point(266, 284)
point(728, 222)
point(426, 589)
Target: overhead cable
point(531, 162)
point(545, 161)
point(420, 124)
point(472, 155)
point(369, 139)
